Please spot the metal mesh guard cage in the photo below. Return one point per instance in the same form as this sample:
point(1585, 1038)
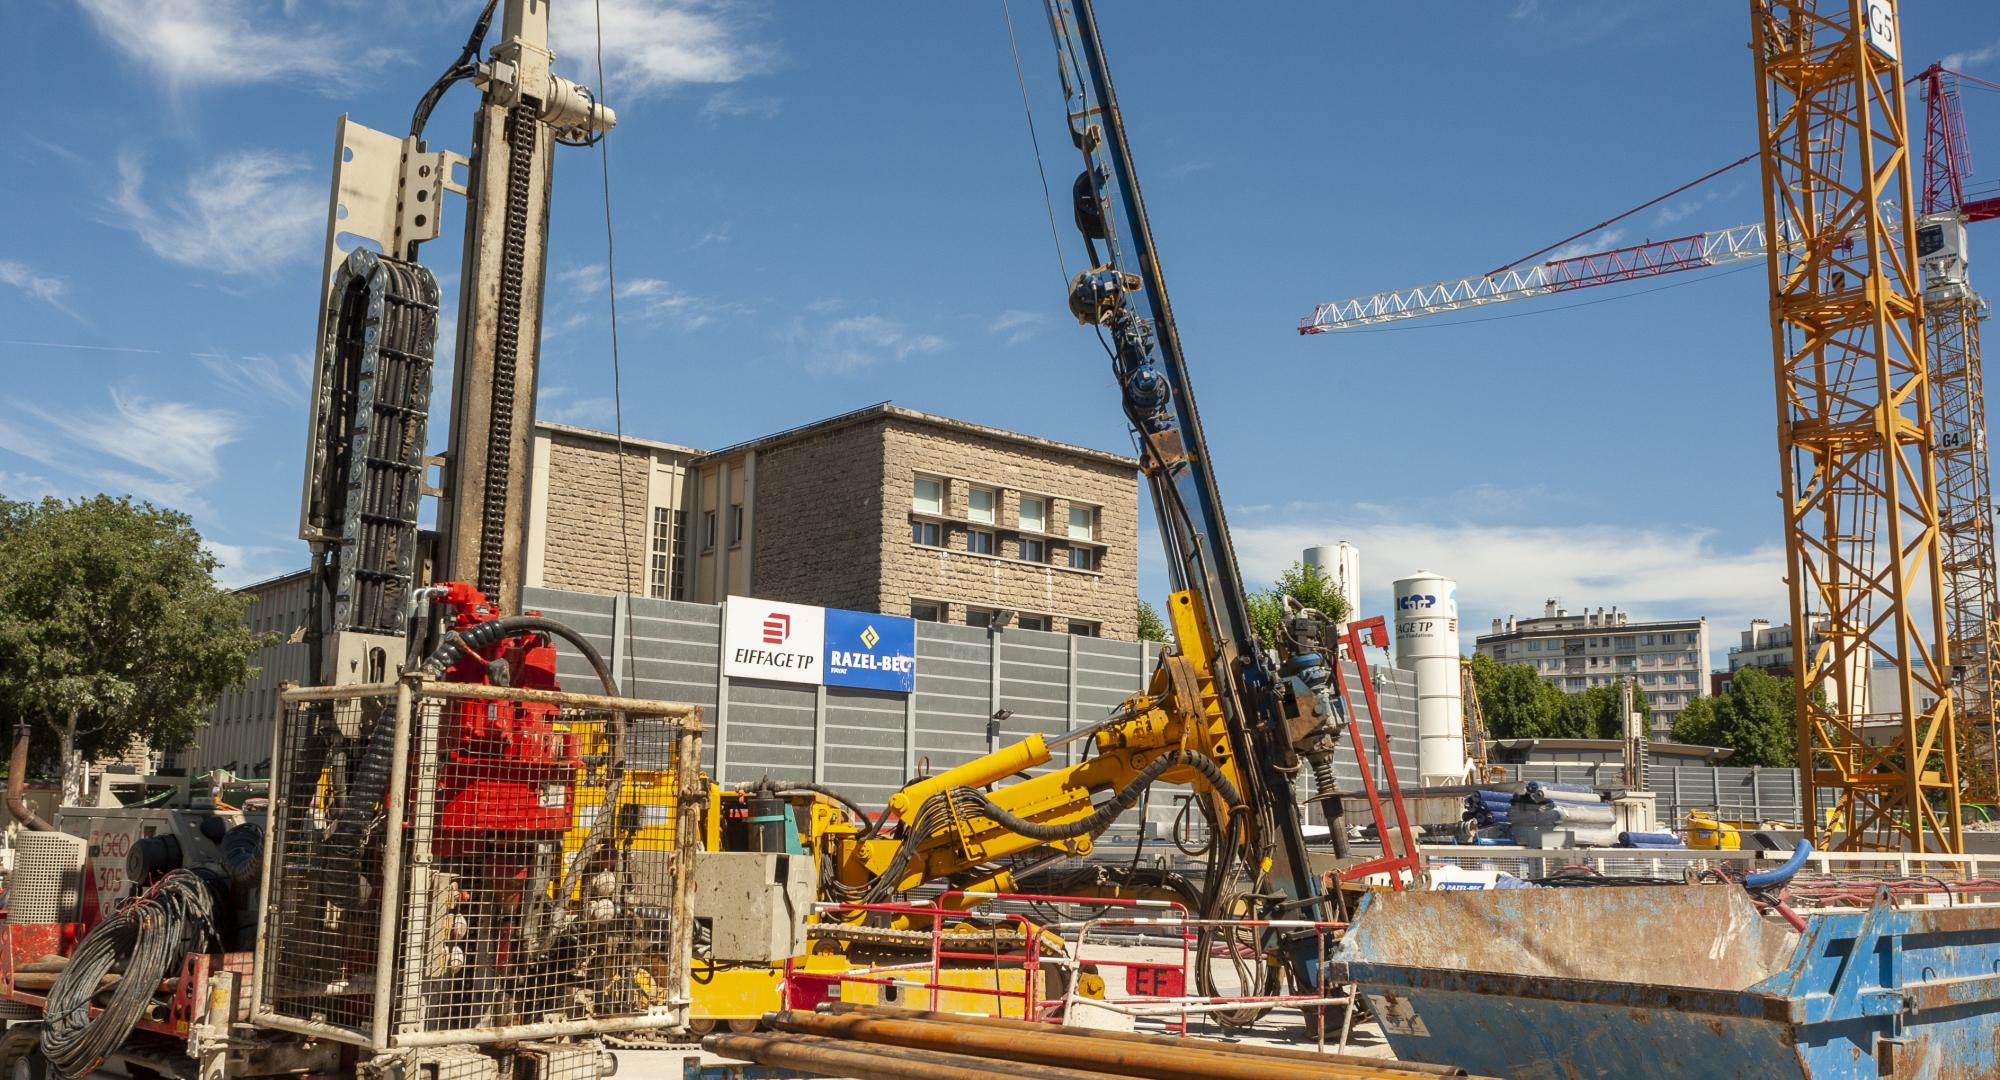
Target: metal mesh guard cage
point(460, 864)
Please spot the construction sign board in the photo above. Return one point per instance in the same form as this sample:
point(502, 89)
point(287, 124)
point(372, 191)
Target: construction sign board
point(799, 643)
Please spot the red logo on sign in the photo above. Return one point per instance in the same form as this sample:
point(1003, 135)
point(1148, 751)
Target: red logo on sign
point(777, 627)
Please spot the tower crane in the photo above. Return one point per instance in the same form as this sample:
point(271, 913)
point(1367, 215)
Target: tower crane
point(1856, 424)
point(1960, 507)
point(1952, 313)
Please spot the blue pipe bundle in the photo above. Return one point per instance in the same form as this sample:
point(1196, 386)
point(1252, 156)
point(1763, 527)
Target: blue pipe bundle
point(1648, 840)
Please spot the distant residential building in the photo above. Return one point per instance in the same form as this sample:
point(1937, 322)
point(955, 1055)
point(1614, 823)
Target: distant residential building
point(1575, 652)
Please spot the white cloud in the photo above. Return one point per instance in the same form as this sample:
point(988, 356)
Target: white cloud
point(25, 487)
point(176, 440)
point(247, 564)
point(661, 301)
point(231, 43)
point(246, 213)
point(283, 379)
point(1601, 242)
point(731, 105)
point(559, 405)
point(859, 342)
point(657, 45)
point(1510, 566)
point(47, 288)
point(1017, 326)
point(1959, 61)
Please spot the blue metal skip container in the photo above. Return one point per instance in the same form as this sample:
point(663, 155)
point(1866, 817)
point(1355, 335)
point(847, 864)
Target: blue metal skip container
point(1678, 981)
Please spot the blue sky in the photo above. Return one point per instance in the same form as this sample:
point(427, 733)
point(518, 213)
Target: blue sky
point(820, 206)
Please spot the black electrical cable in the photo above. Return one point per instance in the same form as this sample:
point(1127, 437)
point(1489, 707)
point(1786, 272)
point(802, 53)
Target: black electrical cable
point(462, 68)
point(1127, 797)
point(150, 937)
point(871, 826)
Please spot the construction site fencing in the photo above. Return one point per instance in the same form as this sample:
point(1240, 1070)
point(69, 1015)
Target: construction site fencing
point(868, 743)
point(456, 864)
point(1945, 872)
point(1732, 793)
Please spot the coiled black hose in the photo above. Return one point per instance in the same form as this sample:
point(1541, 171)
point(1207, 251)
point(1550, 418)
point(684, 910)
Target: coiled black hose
point(870, 826)
point(1128, 796)
point(151, 936)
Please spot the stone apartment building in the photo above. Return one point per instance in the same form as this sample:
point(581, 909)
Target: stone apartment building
point(1573, 653)
point(908, 513)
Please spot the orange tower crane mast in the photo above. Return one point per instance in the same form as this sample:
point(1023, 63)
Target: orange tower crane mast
point(1862, 540)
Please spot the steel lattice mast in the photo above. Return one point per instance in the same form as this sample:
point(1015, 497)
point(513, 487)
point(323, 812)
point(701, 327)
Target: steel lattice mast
point(1855, 425)
point(1952, 312)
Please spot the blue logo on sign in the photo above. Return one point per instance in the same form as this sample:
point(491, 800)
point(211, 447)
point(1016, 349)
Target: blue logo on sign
point(874, 652)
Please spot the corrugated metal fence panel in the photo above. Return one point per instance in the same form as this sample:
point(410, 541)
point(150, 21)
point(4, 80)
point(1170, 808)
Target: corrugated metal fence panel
point(1034, 686)
point(1396, 696)
point(954, 694)
point(769, 731)
point(863, 755)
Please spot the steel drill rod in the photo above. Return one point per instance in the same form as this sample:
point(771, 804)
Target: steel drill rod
point(1164, 1042)
point(870, 1061)
point(1181, 1061)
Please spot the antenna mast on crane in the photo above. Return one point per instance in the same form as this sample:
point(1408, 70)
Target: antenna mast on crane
point(1855, 427)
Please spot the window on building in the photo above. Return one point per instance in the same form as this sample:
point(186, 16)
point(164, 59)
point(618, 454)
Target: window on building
point(669, 555)
point(980, 504)
point(926, 533)
point(1034, 514)
point(1083, 523)
point(1082, 558)
point(1080, 628)
point(978, 616)
point(1534, 646)
point(1624, 644)
point(1693, 639)
point(1645, 639)
point(1649, 680)
point(927, 496)
point(735, 524)
point(1032, 550)
point(1032, 622)
point(979, 541)
point(927, 610)
point(708, 530)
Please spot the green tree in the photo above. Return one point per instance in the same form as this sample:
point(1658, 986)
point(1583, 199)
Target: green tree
point(1697, 724)
point(1515, 701)
point(1303, 583)
point(1597, 714)
point(1151, 626)
point(112, 627)
point(1757, 718)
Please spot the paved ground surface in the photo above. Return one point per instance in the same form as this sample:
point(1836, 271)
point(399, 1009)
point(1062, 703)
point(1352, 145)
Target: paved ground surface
point(1282, 1027)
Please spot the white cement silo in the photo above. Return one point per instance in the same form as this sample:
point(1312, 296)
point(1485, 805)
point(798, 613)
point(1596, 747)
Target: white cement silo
point(1427, 644)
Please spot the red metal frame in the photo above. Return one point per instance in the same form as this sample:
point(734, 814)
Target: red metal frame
point(1391, 861)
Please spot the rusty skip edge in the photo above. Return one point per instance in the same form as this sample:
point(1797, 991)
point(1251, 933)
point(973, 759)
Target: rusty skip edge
point(1577, 991)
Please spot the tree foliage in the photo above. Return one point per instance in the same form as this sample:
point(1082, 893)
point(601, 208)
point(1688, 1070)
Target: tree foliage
point(1757, 718)
point(1518, 704)
point(1151, 626)
point(1304, 583)
point(112, 626)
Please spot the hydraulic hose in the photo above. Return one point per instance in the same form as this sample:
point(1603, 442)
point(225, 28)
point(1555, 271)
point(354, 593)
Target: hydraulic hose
point(802, 787)
point(1778, 875)
point(1128, 796)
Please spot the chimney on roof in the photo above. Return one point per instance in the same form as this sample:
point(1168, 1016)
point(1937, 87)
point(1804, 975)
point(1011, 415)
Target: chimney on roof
point(1549, 609)
point(1496, 624)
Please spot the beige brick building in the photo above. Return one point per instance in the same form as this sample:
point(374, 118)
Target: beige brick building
point(883, 509)
point(893, 510)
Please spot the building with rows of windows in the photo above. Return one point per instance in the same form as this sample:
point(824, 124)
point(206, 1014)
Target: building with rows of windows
point(1668, 658)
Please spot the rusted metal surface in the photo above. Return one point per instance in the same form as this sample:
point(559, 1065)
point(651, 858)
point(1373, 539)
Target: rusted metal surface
point(862, 1061)
point(1082, 1034)
point(1044, 1045)
point(1912, 993)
